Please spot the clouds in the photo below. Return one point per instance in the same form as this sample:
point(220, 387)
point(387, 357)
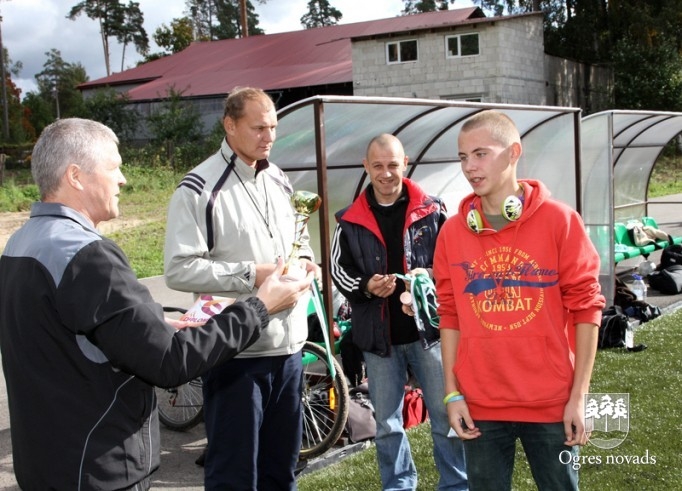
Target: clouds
point(30, 28)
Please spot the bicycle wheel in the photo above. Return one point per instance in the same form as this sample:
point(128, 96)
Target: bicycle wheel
point(181, 408)
point(325, 402)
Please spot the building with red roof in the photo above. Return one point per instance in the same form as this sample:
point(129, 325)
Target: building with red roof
point(455, 54)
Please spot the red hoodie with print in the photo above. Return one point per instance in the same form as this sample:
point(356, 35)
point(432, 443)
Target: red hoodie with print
point(515, 296)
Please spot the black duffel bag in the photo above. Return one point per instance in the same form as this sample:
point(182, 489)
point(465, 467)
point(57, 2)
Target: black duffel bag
point(614, 323)
point(670, 256)
point(667, 280)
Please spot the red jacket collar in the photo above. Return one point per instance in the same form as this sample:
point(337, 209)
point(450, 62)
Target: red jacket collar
point(419, 205)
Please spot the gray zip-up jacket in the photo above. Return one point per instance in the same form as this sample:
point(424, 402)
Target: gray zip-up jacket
point(83, 343)
point(223, 219)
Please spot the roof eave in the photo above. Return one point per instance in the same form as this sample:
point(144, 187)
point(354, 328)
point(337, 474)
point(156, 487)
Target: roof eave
point(471, 21)
point(105, 82)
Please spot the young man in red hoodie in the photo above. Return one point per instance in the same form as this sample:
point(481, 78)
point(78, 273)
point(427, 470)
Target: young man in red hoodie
point(520, 305)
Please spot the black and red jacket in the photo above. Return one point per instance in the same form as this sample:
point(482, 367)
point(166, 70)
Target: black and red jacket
point(359, 251)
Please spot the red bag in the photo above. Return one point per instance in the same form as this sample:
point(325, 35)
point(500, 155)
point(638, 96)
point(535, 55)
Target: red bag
point(414, 409)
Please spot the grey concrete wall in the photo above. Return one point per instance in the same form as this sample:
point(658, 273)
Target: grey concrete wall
point(508, 69)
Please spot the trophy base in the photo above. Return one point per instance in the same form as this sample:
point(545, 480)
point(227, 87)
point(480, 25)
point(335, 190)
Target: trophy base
point(294, 272)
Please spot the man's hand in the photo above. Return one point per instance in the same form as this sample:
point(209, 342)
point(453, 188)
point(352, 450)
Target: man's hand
point(381, 285)
point(406, 296)
point(278, 294)
point(461, 422)
point(406, 304)
point(574, 423)
point(309, 267)
point(263, 270)
point(418, 271)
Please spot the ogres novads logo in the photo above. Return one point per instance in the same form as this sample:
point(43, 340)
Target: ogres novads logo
point(607, 417)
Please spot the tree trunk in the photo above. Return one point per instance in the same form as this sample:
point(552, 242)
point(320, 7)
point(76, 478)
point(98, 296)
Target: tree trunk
point(244, 19)
point(105, 46)
point(123, 55)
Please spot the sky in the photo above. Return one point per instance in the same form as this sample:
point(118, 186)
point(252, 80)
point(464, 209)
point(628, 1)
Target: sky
point(31, 28)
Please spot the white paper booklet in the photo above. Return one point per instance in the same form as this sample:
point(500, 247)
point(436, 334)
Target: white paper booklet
point(206, 307)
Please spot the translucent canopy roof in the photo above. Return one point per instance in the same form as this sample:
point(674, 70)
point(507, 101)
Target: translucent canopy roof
point(321, 142)
point(619, 150)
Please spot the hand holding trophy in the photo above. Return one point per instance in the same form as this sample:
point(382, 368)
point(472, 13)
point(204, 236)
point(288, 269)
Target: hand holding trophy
point(304, 203)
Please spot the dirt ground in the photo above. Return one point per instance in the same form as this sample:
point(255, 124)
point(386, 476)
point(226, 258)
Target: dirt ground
point(11, 221)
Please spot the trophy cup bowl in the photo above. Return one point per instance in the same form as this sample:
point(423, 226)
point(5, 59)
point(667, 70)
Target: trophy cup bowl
point(305, 203)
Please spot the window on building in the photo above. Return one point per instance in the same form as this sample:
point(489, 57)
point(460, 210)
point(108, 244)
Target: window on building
point(461, 45)
point(401, 51)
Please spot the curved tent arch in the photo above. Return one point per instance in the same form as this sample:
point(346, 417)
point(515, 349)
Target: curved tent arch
point(619, 151)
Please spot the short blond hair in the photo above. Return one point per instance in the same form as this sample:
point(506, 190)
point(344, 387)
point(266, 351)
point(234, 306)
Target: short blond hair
point(235, 102)
point(502, 128)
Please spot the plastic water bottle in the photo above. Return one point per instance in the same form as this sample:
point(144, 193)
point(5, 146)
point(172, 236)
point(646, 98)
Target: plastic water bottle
point(639, 288)
point(646, 267)
point(630, 335)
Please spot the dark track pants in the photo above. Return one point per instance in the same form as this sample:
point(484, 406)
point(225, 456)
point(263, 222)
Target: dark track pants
point(252, 409)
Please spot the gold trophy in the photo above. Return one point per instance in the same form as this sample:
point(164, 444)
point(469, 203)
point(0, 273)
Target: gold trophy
point(304, 203)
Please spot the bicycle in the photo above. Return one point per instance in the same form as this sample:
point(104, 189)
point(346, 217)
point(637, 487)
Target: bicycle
point(181, 408)
point(325, 401)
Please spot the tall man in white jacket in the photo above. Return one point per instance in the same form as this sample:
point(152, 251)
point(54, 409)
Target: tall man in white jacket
point(229, 221)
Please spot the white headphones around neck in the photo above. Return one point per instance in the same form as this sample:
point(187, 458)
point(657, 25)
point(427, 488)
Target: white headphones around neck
point(512, 208)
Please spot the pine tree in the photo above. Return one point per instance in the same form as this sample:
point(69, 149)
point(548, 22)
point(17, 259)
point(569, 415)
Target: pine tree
point(221, 19)
point(115, 19)
point(320, 14)
point(421, 6)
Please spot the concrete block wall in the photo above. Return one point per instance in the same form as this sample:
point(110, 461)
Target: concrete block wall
point(508, 69)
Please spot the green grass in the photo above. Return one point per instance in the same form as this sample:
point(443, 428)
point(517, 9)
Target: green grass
point(652, 377)
point(148, 191)
point(145, 197)
point(143, 245)
point(664, 178)
point(17, 196)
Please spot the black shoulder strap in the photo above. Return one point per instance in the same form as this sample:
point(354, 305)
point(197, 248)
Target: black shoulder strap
point(211, 201)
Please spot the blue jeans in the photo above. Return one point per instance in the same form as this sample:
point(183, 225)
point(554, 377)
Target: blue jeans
point(387, 378)
point(490, 457)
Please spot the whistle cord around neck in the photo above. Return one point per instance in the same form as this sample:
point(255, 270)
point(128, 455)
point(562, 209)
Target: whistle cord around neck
point(264, 216)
